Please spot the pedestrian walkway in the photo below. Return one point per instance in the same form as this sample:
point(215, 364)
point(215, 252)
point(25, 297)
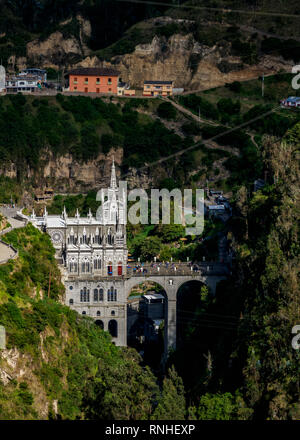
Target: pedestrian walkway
point(7, 252)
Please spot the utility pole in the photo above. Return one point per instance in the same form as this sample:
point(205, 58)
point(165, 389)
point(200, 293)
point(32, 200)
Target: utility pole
point(263, 85)
point(199, 113)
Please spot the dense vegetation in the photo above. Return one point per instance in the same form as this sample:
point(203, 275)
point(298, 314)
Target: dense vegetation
point(66, 358)
point(246, 366)
point(33, 130)
point(80, 126)
point(228, 112)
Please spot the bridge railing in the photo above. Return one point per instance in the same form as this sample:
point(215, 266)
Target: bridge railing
point(179, 269)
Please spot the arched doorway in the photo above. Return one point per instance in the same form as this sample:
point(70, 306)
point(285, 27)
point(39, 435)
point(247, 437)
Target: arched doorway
point(113, 328)
point(99, 323)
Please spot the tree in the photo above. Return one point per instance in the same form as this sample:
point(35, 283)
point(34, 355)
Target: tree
point(171, 405)
point(226, 105)
point(150, 248)
point(166, 111)
point(236, 86)
point(170, 233)
point(216, 407)
point(121, 390)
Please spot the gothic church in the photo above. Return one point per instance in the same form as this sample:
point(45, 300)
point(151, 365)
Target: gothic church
point(93, 253)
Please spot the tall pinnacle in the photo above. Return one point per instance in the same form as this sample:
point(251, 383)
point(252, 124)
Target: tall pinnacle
point(113, 180)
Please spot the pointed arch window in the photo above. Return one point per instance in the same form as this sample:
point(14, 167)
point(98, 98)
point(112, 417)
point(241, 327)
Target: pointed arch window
point(110, 238)
point(84, 295)
point(97, 263)
point(85, 266)
point(73, 265)
point(112, 294)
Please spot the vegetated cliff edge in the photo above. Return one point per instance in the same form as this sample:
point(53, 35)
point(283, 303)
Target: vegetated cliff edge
point(57, 364)
point(169, 49)
point(190, 64)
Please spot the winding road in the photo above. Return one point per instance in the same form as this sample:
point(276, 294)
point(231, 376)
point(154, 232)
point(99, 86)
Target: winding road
point(7, 252)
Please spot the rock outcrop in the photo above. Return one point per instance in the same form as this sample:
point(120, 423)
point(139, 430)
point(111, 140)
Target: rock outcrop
point(188, 63)
point(54, 51)
point(58, 51)
point(65, 173)
point(191, 64)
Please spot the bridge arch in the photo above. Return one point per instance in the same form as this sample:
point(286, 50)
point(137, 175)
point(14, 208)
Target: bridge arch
point(172, 282)
point(147, 324)
point(189, 299)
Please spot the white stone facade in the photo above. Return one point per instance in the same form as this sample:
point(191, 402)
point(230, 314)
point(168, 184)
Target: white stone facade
point(94, 253)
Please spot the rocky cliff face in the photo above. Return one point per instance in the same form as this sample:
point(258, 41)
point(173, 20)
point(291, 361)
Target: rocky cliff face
point(192, 65)
point(188, 63)
point(58, 51)
point(65, 173)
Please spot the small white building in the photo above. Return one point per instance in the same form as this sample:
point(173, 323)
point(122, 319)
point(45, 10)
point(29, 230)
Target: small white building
point(153, 305)
point(22, 83)
point(39, 73)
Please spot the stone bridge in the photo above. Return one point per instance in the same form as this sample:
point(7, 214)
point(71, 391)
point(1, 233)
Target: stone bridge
point(171, 279)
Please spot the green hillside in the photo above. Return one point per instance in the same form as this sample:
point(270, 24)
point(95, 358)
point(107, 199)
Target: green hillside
point(67, 368)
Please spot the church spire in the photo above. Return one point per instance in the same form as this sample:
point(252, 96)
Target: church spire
point(64, 213)
point(113, 180)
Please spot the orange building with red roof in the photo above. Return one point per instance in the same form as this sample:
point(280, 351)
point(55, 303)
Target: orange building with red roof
point(93, 80)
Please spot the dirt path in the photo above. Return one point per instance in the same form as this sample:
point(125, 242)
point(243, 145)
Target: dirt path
point(189, 113)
